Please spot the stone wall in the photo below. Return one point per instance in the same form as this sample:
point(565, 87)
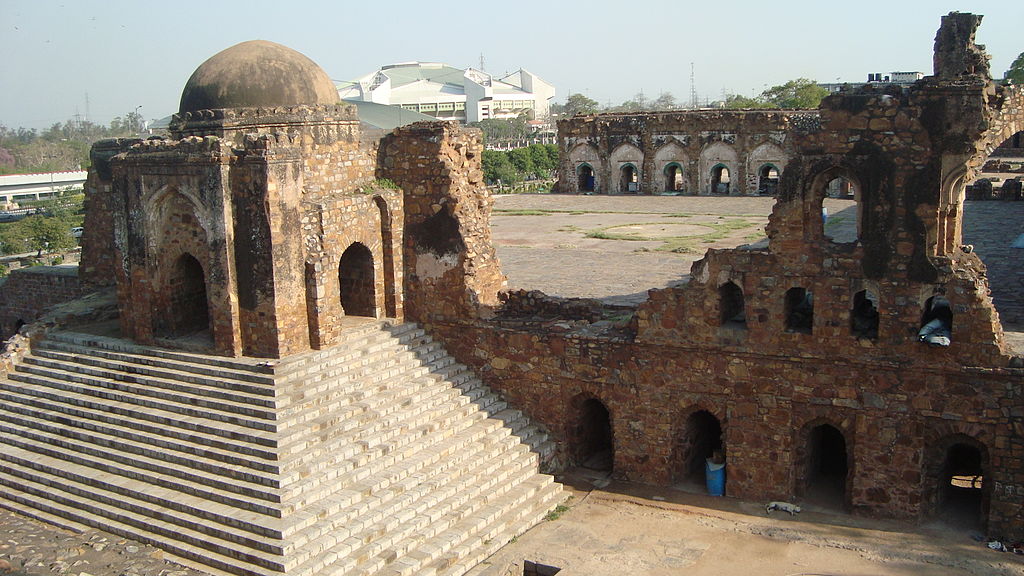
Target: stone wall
point(810, 337)
point(451, 269)
point(694, 142)
point(27, 293)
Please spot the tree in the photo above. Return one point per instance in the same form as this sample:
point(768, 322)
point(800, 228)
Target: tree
point(1016, 72)
point(542, 161)
point(500, 129)
point(522, 161)
point(48, 235)
point(799, 93)
point(737, 102)
point(498, 168)
point(579, 104)
point(664, 101)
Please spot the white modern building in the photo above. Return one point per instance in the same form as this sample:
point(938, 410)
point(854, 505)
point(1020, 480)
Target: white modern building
point(21, 187)
point(449, 93)
point(898, 78)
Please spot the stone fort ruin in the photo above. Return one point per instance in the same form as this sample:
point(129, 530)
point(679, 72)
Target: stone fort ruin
point(266, 405)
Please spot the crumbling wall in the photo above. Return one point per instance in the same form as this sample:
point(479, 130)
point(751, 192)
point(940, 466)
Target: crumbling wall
point(695, 141)
point(896, 402)
point(451, 270)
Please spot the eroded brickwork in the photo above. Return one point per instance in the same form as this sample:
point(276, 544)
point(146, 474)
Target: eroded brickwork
point(807, 352)
point(802, 360)
point(683, 152)
point(27, 293)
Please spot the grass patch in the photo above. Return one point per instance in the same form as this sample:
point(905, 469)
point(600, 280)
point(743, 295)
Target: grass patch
point(524, 212)
point(556, 513)
point(680, 244)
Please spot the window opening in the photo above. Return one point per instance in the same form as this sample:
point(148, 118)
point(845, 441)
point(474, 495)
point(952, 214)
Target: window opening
point(864, 315)
point(936, 322)
point(799, 310)
point(840, 211)
point(768, 180)
point(732, 309)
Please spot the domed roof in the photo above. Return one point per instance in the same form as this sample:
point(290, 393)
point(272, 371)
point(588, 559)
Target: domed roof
point(257, 73)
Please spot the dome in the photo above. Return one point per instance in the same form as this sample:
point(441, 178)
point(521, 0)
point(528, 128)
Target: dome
point(257, 73)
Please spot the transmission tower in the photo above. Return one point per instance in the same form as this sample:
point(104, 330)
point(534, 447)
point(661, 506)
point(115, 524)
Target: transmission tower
point(693, 88)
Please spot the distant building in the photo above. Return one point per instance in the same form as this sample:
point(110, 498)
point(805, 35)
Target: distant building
point(898, 78)
point(449, 93)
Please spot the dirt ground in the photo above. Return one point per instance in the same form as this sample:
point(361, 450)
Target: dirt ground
point(631, 529)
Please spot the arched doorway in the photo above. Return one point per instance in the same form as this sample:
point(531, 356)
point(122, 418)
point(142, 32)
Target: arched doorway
point(767, 180)
point(189, 310)
point(594, 444)
point(841, 215)
point(701, 439)
point(674, 178)
point(720, 179)
point(629, 181)
point(355, 275)
point(826, 467)
point(961, 483)
point(584, 178)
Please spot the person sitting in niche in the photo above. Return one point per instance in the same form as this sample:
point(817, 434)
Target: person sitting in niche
point(937, 325)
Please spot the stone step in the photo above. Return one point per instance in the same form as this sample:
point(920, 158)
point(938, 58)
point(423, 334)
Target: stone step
point(164, 436)
point(129, 415)
point(370, 454)
point(427, 543)
point(478, 547)
point(370, 390)
point(250, 369)
point(219, 554)
point(77, 378)
point(195, 509)
point(56, 390)
point(361, 419)
point(421, 505)
point(137, 443)
point(143, 465)
point(124, 370)
point(354, 464)
point(352, 377)
point(301, 367)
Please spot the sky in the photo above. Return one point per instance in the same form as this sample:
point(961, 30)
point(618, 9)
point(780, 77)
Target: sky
point(99, 59)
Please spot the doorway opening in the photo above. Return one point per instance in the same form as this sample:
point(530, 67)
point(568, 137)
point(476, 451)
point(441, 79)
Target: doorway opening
point(355, 275)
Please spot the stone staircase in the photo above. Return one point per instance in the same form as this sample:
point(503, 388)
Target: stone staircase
point(381, 455)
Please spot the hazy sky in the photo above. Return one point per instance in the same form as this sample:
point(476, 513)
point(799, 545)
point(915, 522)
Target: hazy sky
point(104, 58)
